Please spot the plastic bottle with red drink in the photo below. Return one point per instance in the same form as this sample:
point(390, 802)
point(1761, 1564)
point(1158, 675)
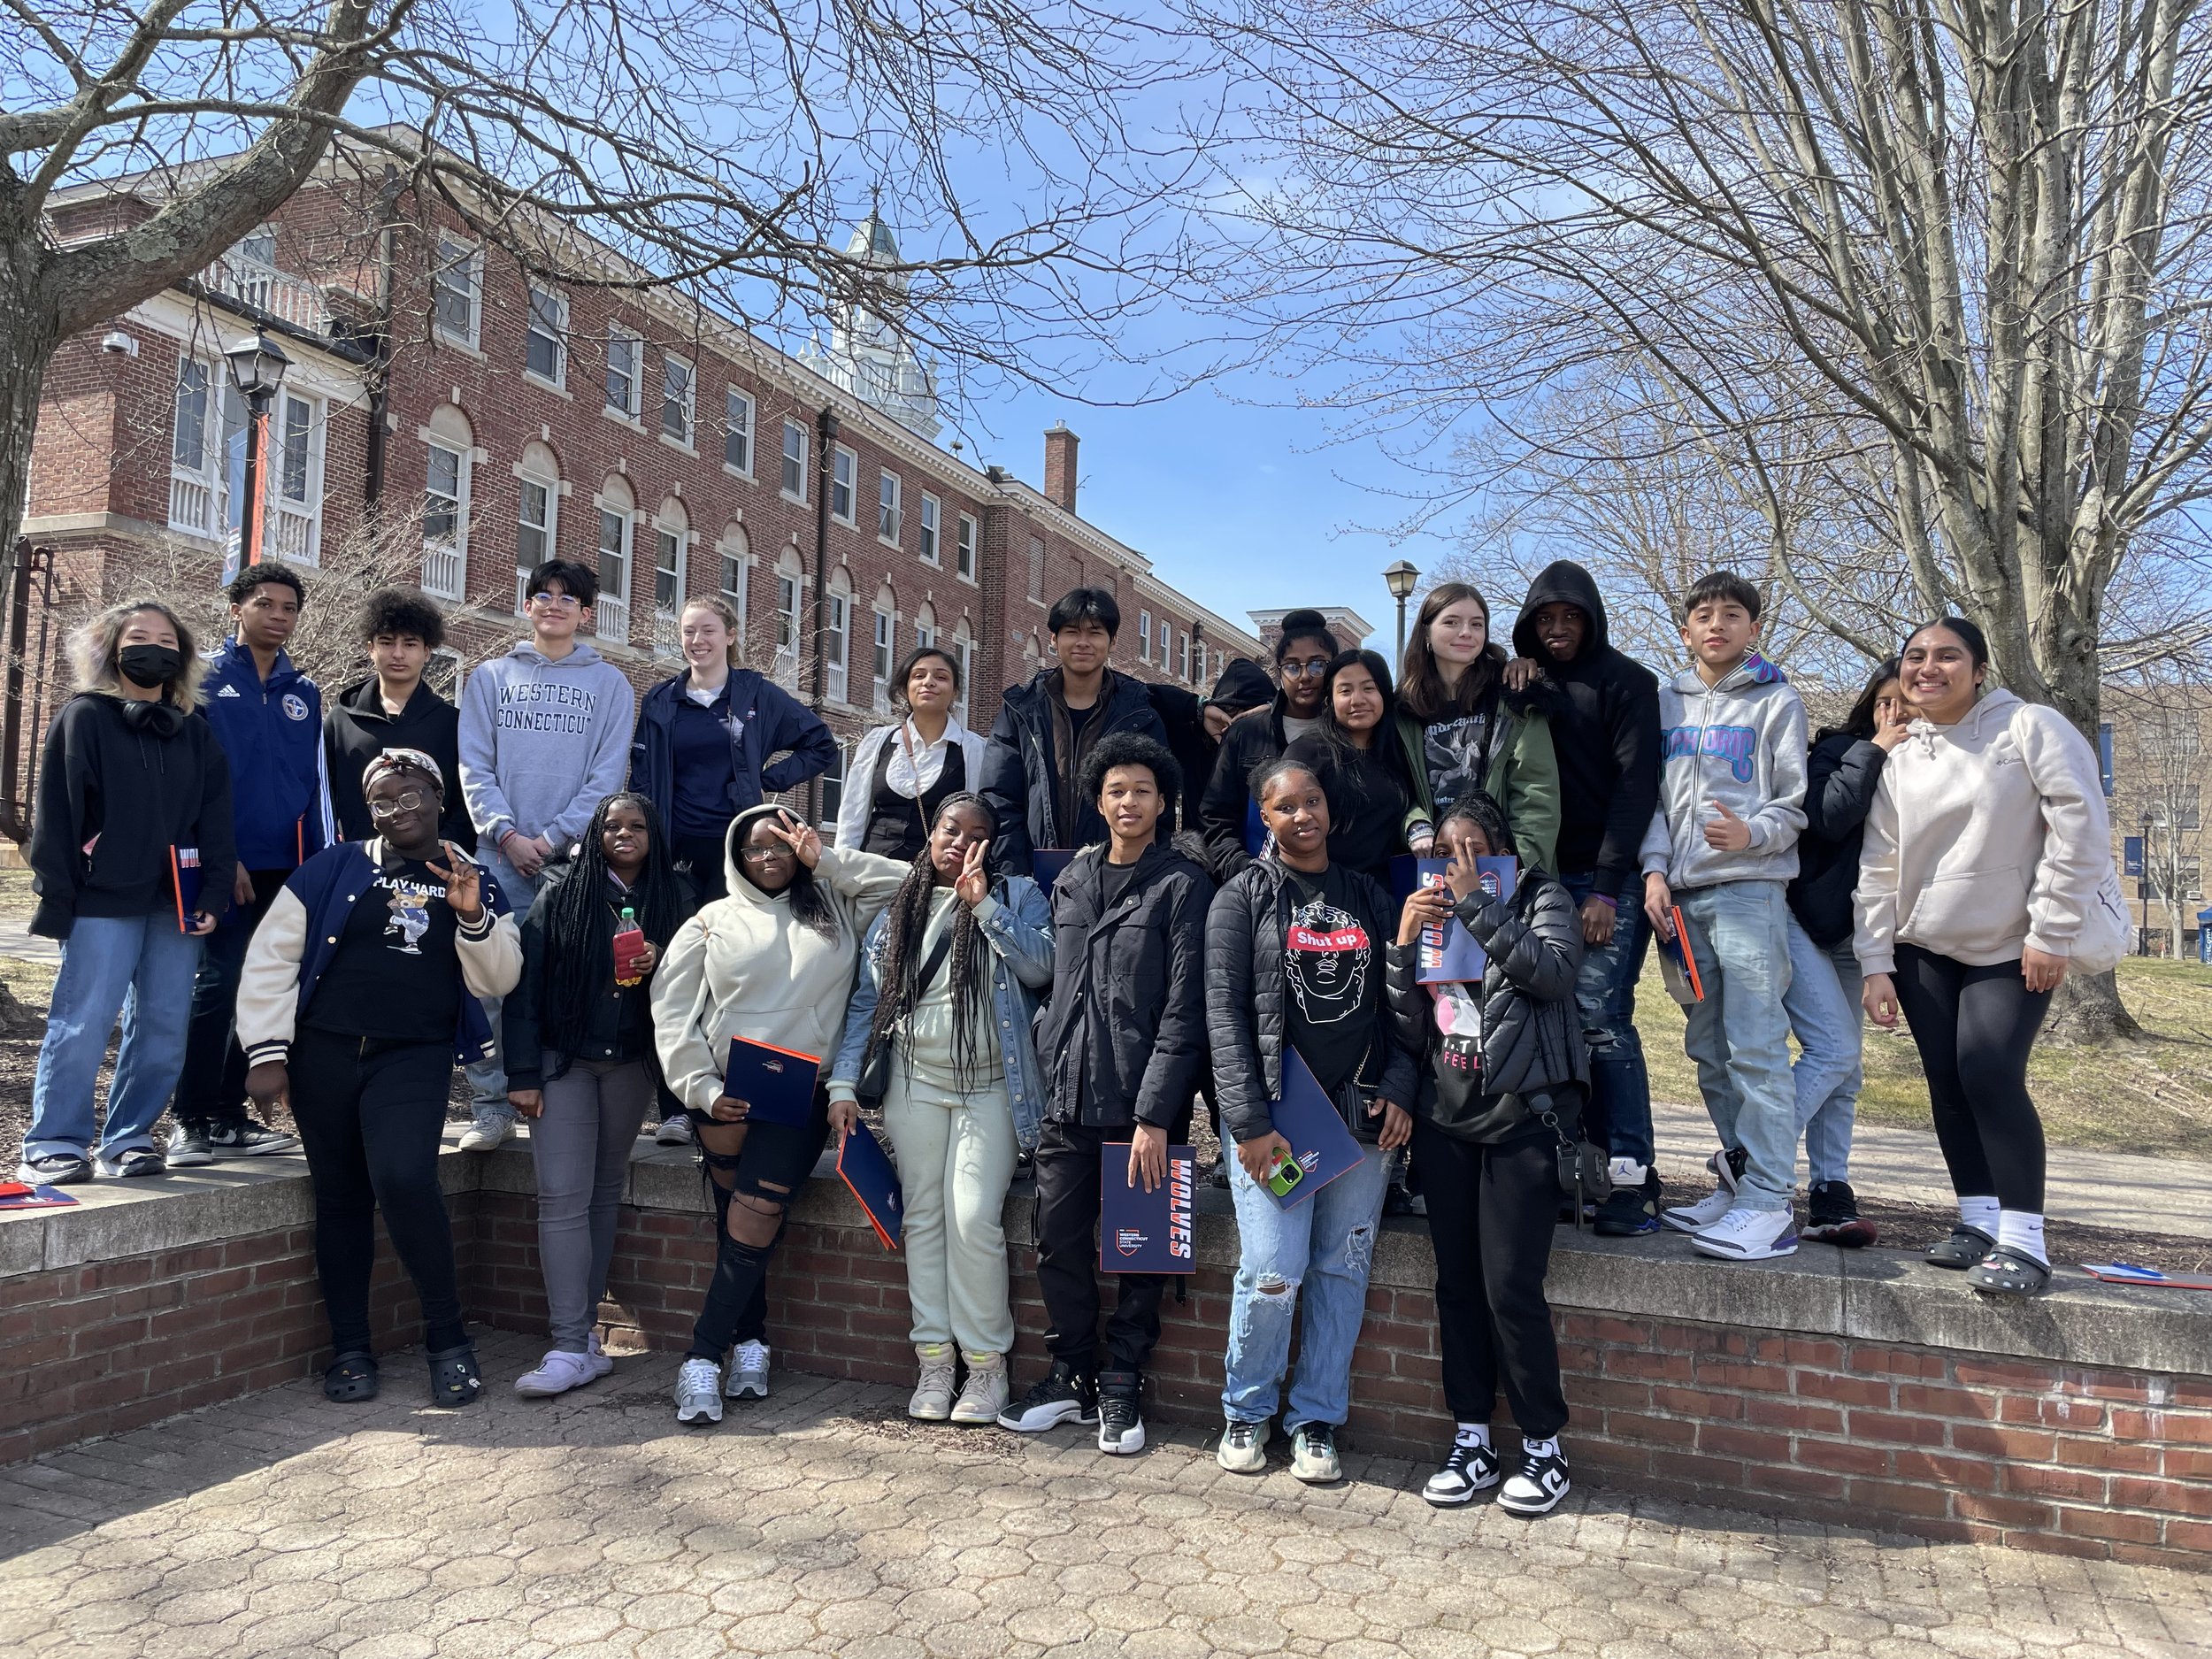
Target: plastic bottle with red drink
point(629, 946)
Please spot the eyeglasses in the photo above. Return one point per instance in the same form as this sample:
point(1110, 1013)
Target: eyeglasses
point(557, 601)
point(1312, 670)
point(762, 855)
point(406, 802)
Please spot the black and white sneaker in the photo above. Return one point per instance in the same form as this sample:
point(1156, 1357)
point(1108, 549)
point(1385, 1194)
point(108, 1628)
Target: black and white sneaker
point(1059, 1396)
point(55, 1168)
point(136, 1164)
point(247, 1139)
point(1471, 1466)
point(1540, 1482)
point(1120, 1423)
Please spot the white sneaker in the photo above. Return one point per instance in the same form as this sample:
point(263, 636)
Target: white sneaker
point(486, 1134)
point(1537, 1486)
point(699, 1392)
point(557, 1372)
point(1698, 1217)
point(748, 1372)
point(601, 1361)
point(1749, 1235)
point(986, 1392)
point(1242, 1449)
point(932, 1401)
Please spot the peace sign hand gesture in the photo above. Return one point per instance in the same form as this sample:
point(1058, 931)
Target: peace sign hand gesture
point(803, 838)
point(463, 884)
point(973, 884)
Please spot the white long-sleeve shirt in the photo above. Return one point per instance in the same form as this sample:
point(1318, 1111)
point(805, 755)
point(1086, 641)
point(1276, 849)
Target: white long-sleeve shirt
point(915, 767)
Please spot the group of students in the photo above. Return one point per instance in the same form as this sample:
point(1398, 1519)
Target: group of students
point(636, 901)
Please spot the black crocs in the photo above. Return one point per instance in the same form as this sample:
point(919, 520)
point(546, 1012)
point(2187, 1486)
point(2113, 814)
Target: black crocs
point(351, 1376)
point(2004, 1272)
point(1965, 1247)
point(454, 1378)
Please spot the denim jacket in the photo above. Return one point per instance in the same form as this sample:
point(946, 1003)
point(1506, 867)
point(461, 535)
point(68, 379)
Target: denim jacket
point(1018, 924)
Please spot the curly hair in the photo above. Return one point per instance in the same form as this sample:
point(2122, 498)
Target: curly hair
point(1130, 748)
point(579, 914)
point(401, 611)
point(905, 924)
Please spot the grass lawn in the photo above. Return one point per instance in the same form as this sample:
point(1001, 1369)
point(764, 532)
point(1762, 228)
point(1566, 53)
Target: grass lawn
point(2152, 1096)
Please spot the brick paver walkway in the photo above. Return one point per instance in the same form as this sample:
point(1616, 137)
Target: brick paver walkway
point(824, 1523)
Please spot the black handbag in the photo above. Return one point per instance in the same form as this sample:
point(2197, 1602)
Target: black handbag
point(874, 1082)
point(1585, 1175)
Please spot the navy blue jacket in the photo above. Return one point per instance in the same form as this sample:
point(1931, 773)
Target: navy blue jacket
point(1019, 768)
point(764, 719)
point(272, 736)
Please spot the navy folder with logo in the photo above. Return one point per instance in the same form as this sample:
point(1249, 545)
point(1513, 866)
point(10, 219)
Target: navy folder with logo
point(866, 1172)
point(777, 1083)
point(1448, 954)
point(1047, 863)
point(1140, 1232)
point(1318, 1137)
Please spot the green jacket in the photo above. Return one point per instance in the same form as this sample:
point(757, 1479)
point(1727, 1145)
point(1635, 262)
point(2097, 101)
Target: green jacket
point(1523, 780)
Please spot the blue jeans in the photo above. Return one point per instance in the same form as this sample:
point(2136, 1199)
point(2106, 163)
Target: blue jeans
point(1327, 1243)
point(488, 1078)
point(142, 967)
point(1823, 1003)
point(1739, 1035)
point(1619, 1117)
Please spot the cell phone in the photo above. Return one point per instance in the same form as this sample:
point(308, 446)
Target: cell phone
point(1284, 1175)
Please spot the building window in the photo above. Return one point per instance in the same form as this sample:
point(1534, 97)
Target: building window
point(445, 522)
point(887, 507)
point(832, 790)
point(614, 576)
point(534, 531)
point(545, 348)
point(930, 514)
point(442, 673)
point(455, 287)
point(834, 646)
point(1144, 636)
point(737, 432)
point(1183, 645)
point(964, 552)
point(668, 585)
point(1036, 569)
point(1200, 649)
point(624, 349)
point(787, 627)
point(2171, 734)
point(844, 465)
point(198, 497)
point(795, 459)
point(887, 644)
point(295, 530)
point(676, 400)
point(962, 645)
point(733, 549)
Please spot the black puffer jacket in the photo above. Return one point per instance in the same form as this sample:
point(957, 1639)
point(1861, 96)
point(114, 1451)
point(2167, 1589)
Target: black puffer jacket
point(1226, 811)
point(1531, 1038)
point(1246, 998)
point(1020, 770)
point(1841, 775)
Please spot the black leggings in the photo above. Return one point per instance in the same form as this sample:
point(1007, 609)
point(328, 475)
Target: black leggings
point(1978, 1024)
point(370, 1113)
point(1490, 1213)
point(753, 1171)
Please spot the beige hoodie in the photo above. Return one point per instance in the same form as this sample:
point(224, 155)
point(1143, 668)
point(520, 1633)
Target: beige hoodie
point(1985, 837)
point(743, 968)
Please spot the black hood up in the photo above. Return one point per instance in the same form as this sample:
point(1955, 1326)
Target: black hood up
point(1243, 685)
point(1561, 582)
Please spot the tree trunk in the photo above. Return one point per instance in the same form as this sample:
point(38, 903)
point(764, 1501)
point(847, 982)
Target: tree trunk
point(30, 333)
point(2087, 1009)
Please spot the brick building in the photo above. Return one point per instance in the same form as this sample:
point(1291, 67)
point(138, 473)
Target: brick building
point(447, 419)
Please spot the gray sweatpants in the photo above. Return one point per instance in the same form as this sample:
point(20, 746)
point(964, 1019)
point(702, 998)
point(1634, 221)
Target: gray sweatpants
point(581, 1146)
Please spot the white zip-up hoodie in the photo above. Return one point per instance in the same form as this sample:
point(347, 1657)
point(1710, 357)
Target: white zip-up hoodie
point(1985, 838)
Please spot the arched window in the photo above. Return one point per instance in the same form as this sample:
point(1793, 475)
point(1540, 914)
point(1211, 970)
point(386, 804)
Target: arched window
point(672, 556)
point(448, 451)
point(734, 565)
point(537, 513)
point(617, 515)
point(885, 648)
point(964, 652)
point(837, 634)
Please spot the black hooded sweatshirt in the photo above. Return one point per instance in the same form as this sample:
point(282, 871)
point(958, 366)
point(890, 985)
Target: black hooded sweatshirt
point(1604, 714)
point(356, 730)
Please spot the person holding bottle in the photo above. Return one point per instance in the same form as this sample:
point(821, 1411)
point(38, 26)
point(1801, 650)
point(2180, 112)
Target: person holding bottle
point(579, 1059)
point(903, 775)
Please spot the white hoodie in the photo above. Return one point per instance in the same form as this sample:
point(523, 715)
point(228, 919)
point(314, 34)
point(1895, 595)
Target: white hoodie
point(1985, 838)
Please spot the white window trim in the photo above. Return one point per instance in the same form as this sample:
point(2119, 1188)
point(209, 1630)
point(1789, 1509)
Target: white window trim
point(835, 774)
point(895, 506)
point(792, 621)
point(752, 434)
point(629, 414)
point(457, 550)
point(665, 640)
point(740, 597)
point(850, 516)
point(558, 379)
point(473, 266)
point(687, 442)
point(930, 538)
point(1144, 636)
point(620, 606)
point(207, 486)
point(963, 647)
point(883, 651)
point(309, 507)
point(970, 545)
point(805, 458)
point(837, 627)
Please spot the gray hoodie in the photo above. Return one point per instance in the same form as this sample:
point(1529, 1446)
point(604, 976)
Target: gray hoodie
point(543, 742)
point(1741, 743)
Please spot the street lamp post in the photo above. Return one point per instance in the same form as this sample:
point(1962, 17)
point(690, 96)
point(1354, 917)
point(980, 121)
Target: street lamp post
point(2143, 884)
point(257, 369)
point(1401, 579)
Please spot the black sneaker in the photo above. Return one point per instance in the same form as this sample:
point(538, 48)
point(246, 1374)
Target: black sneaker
point(1120, 1424)
point(1631, 1210)
point(1538, 1485)
point(247, 1139)
point(190, 1146)
point(1219, 1175)
point(1471, 1466)
point(1834, 1218)
point(1060, 1396)
point(55, 1168)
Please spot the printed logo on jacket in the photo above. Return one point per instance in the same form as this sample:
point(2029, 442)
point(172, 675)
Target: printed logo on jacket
point(539, 705)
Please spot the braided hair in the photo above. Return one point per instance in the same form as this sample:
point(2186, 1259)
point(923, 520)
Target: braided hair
point(580, 919)
point(905, 923)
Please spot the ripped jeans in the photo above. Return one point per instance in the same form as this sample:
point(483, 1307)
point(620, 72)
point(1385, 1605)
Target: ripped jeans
point(1326, 1245)
point(753, 1169)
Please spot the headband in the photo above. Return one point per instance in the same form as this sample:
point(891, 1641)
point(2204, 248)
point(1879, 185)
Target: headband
point(403, 760)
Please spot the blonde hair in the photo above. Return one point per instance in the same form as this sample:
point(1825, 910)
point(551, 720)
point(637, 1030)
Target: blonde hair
point(96, 647)
point(724, 610)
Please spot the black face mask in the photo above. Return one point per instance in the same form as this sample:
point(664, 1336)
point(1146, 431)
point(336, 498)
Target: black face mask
point(150, 665)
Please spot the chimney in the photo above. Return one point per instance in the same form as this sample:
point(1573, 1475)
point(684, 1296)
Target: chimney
point(1060, 464)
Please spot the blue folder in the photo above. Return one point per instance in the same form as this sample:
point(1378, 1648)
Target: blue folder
point(1448, 954)
point(1309, 1119)
point(1140, 1232)
point(867, 1172)
point(1047, 863)
point(777, 1083)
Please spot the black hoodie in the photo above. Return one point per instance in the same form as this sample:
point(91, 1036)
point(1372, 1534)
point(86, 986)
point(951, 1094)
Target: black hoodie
point(1604, 713)
point(357, 730)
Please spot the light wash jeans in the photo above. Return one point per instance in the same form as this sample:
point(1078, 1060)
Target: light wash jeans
point(1328, 1244)
point(142, 967)
point(1740, 1034)
point(488, 1078)
point(1823, 1003)
point(956, 1161)
point(580, 1145)
point(1619, 1115)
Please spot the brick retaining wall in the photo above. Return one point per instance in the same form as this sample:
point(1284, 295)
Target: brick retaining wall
point(1866, 1389)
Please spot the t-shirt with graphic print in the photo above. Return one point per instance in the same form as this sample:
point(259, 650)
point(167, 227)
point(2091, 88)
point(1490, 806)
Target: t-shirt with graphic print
point(1455, 750)
point(1335, 981)
point(397, 975)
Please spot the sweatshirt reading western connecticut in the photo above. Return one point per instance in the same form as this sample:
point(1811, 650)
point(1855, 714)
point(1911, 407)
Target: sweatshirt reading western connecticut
point(543, 741)
point(1742, 743)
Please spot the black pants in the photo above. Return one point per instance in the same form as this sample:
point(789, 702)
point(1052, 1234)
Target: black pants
point(1490, 1213)
point(1068, 1164)
point(368, 1114)
point(211, 1091)
point(1974, 1027)
point(702, 855)
point(766, 1173)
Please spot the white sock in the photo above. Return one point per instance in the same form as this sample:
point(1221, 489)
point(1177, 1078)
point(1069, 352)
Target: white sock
point(1979, 1214)
point(1540, 1448)
point(2021, 1231)
point(1472, 1434)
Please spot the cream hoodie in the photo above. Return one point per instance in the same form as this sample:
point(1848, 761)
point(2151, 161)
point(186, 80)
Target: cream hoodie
point(1985, 838)
point(742, 967)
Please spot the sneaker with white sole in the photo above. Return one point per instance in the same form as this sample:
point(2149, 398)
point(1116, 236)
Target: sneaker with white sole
point(1313, 1457)
point(486, 1133)
point(560, 1371)
point(984, 1395)
point(699, 1392)
point(1120, 1419)
point(1748, 1235)
point(190, 1146)
point(748, 1372)
point(1242, 1449)
point(1728, 1169)
point(1537, 1486)
point(134, 1164)
point(1059, 1396)
point(247, 1139)
point(931, 1400)
point(675, 1130)
point(55, 1168)
point(1469, 1467)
